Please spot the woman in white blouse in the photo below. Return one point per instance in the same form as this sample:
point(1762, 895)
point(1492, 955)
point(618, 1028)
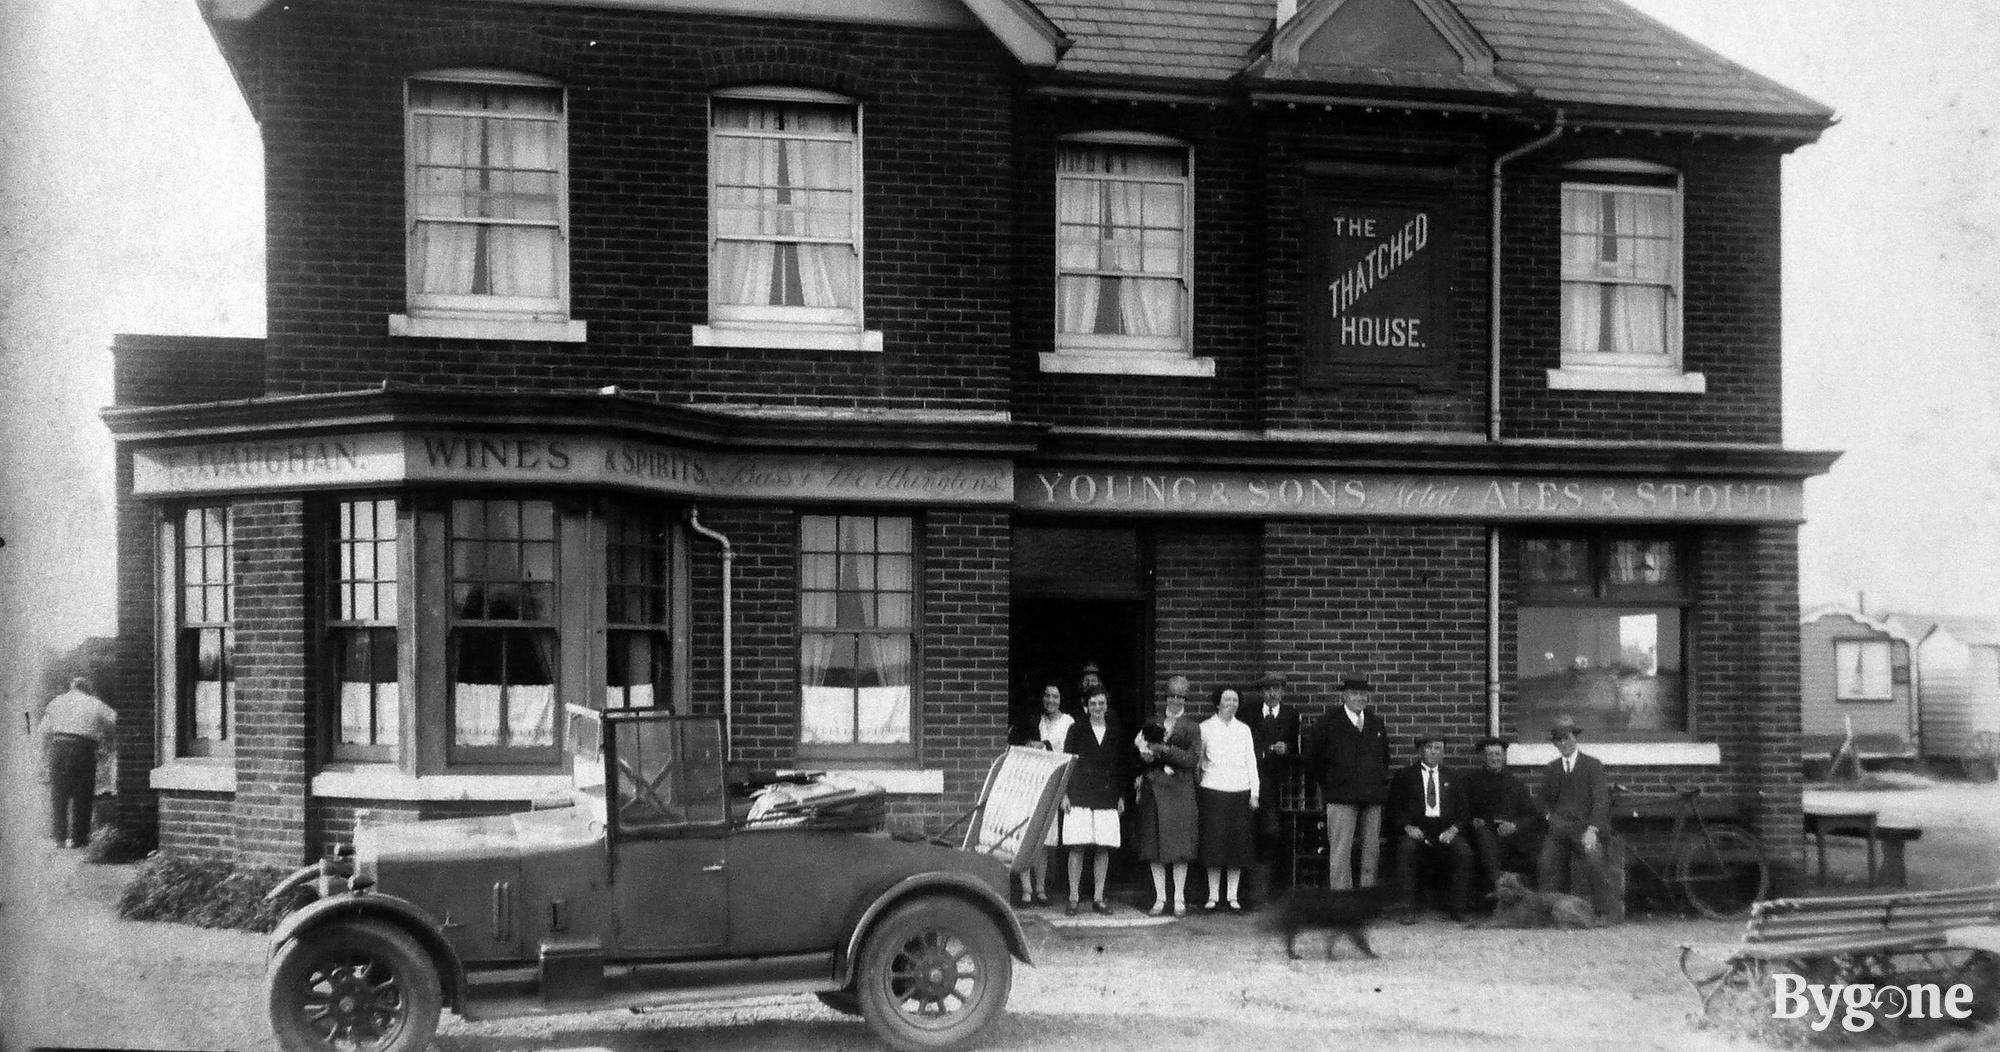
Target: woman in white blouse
point(1048, 732)
point(1228, 798)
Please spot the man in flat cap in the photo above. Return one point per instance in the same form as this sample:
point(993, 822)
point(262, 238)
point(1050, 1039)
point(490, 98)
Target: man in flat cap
point(1575, 798)
point(1503, 819)
point(1274, 735)
point(1349, 756)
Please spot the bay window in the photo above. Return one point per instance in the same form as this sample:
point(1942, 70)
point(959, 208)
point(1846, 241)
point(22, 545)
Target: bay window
point(205, 633)
point(638, 609)
point(501, 647)
point(857, 615)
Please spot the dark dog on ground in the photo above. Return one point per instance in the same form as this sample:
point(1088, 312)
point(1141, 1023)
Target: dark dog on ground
point(1515, 905)
point(1337, 913)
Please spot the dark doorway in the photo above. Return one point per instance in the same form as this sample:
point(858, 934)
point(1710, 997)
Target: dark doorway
point(1052, 638)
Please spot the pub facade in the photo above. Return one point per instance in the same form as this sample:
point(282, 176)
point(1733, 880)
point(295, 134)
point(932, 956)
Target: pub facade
point(850, 375)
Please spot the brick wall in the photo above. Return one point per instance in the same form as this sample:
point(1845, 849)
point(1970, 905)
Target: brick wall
point(1403, 604)
point(765, 598)
point(272, 653)
point(935, 171)
point(1206, 604)
point(172, 370)
point(1731, 308)
point(202, 824)
point(967, 560)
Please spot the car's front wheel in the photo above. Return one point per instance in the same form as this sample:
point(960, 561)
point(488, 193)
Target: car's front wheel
point(359, 985)
point(932, 974)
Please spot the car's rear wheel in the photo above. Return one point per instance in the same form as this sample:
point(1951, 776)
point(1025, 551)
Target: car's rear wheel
point(354, 986)
point(932, 974)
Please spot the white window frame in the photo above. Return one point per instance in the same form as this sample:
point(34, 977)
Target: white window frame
point(1847, 690)
point(1592, 371)
point(1120, 354)
point(806, 328)
point(487, 316)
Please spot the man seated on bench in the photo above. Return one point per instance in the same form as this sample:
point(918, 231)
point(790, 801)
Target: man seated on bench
point(1504, 826)
point(1427, 811)
point(1575, 798)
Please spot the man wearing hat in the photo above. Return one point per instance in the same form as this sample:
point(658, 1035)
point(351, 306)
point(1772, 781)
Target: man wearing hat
point(1503, 819)
point(1274, 735)
point(1349, 756)
point(1575, 798)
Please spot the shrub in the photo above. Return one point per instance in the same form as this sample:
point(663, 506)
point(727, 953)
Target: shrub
point(207, 893)
point(114, 845)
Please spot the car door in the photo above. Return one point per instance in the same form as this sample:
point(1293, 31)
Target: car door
point(669, 834)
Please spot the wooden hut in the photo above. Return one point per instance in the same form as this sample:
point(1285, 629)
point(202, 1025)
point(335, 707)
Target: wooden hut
point(1958, 665)
point(1855, 672)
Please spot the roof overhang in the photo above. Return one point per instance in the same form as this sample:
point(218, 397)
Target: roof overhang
point(1017, 24)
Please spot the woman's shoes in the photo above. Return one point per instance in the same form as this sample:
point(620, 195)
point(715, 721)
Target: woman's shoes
point(1157, 909)
point(1070, 910)
point(1180, 908)
point(1041, 898)
point(1101, 906)
point(1210, 906)
point(1235, 906)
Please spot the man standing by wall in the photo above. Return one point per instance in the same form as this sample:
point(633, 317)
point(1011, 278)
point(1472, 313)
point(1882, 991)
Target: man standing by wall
point(1274, 733)
point(1350, 757)
point(72, 729)
point(1575, 797)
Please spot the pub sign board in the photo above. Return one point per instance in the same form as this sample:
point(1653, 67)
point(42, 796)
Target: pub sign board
point(1378, 288)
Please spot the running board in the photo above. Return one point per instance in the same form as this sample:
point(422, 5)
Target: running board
point(514, 992)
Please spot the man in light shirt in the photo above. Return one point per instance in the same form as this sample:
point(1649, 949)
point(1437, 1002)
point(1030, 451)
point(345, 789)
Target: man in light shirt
point(75, 725)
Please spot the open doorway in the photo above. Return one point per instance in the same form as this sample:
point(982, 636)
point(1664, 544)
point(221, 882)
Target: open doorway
point(1052, 637)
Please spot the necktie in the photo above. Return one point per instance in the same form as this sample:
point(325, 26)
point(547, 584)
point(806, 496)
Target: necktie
point(1270, 713)
point(1430, 788)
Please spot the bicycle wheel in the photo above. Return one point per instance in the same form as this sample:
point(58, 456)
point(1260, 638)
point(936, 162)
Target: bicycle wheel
point(1722, 873)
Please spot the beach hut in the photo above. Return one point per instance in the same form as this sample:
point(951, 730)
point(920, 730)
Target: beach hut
point(1958, 665)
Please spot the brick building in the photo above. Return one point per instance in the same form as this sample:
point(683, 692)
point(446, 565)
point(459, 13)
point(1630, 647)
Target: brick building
point(849, 375)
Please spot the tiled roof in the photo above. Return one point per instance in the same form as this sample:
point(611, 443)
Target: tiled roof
point(1565, 52)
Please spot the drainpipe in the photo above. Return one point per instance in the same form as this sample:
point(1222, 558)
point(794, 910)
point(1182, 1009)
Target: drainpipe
point(1494, 288)
point(728, 621)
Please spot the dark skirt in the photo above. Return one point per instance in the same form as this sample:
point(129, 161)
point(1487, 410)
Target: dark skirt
point(1228, 839)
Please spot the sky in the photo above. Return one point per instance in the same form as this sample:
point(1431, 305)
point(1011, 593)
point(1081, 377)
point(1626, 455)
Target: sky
point(131, 201)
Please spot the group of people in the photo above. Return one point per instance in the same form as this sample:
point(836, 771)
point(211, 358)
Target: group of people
point(1206, 791)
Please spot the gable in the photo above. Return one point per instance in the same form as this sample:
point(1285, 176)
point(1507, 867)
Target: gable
point(1379, 34)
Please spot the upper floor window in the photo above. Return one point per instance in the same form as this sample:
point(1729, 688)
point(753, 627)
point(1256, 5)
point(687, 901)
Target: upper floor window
point(205, 679)
point(1862, 670)
point(784, 218)
point(1600, 636)
point(501, 650)
point(488, 216)
point(1621, 276)
point(1123, 237)
point(857, 598)
point(361, 622)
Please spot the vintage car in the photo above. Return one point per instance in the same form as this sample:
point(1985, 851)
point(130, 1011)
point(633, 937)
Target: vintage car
point(663, 884)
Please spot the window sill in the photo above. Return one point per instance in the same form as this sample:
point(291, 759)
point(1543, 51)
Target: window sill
point(1127, 364)
point(903, 780)
point(194, 776)
point(391, 784)
point(1626, 754)
point(490, 328)
point(1596, 378)
point(787, 339)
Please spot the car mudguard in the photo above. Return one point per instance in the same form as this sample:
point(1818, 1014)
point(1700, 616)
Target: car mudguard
point(957, 885)
point(402, 913)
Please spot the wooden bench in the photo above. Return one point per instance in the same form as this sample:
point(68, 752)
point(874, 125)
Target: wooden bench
point(1896, 938)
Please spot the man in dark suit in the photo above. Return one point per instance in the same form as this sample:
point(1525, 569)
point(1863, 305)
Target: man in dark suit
point(1504, 825)
point(1274, 734)
point(1349, 756)
point(1575, 798)
point(1428, 814)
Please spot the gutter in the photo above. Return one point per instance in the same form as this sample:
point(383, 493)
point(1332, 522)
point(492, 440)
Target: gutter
point(1493, 333)
point(728, 639)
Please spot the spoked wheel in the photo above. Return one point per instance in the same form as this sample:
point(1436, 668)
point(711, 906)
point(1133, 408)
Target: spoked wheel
point(933, 973)
point(355, 986)
point(1722, 874)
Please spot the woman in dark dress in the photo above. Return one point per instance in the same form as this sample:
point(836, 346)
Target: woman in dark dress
point(1096, 799)
point(1169, 750)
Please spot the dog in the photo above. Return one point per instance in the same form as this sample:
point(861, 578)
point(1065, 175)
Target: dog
point(1517, 906)
point(1338, 913)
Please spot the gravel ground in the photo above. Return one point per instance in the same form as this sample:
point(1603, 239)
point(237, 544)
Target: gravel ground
point(75, 975)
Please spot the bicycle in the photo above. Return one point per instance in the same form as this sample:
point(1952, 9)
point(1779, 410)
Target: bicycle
point(1718, 867)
